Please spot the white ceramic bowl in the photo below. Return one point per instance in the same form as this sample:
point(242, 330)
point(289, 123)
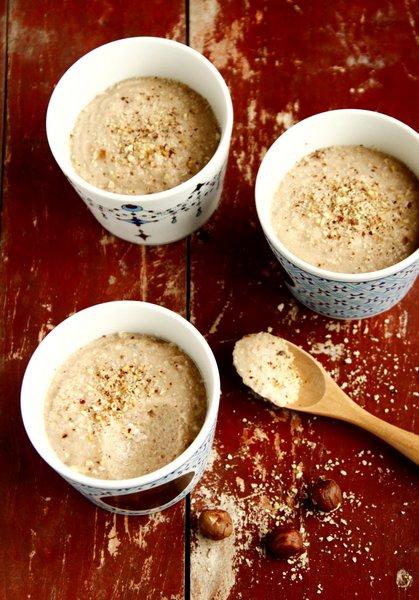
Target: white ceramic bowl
point(154, 218)
point(154, 491)
point(338, 295)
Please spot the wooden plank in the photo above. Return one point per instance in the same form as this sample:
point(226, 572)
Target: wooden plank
point(56, 259)
point(3, 25)
point(284, 61)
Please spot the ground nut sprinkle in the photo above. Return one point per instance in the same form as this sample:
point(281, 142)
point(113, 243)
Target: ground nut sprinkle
point(266, 365)
point(348, 209)
point(144, 135)
point(124, 405)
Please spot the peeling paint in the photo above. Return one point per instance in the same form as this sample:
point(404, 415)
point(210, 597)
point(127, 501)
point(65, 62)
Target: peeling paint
point(224, 51)
point(287, 118)
point(220, 316)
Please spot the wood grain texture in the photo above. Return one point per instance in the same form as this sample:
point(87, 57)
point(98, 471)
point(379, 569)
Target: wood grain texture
point(3, 54)
point(283, 61)
point(56, 259)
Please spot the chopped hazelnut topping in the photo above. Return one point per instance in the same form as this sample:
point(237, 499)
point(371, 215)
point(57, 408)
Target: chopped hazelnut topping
point(348, 209)
point(144, 135)
point(128, 406)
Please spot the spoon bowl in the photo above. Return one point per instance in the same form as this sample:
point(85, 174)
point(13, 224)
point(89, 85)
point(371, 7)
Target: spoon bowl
point(318, 393)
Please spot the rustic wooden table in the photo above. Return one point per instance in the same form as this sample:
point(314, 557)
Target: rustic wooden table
point(283, 60)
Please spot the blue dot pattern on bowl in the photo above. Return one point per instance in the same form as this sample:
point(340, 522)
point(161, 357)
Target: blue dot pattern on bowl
point(342, 300)
point(198, 206)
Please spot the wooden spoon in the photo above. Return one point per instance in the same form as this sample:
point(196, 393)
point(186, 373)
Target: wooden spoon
point(318, 393)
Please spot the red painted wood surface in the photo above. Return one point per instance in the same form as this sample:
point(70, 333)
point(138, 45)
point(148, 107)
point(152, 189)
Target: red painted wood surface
point(55, 260)
point(282, 61)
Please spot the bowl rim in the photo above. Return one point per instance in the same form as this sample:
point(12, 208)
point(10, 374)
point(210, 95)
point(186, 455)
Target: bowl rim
point(85, 481)
point(263, 206)
point(144, 199)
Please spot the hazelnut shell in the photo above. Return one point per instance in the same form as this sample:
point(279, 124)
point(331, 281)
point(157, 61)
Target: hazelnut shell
point(215, 524)
point(326, 495)
point(284, 541)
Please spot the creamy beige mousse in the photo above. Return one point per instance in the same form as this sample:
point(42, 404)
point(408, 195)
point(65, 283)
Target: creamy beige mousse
point(124, 405)
point(143, 135)
point(348, 209)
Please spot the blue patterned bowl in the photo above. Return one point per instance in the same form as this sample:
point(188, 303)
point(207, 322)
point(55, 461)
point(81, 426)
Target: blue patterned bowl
point(338, 295)
point(157, 218)
point(148, 493)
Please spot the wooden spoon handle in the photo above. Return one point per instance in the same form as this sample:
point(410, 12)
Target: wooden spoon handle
point(404, 441)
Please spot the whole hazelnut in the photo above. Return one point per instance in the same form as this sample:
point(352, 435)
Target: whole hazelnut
point(326, 495)
point(215, 524)
point(284, 541)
